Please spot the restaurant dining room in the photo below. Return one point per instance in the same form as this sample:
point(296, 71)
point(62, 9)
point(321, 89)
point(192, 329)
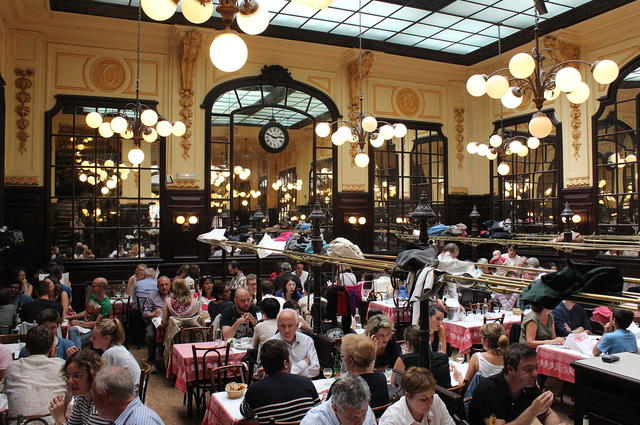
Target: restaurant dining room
point(319, 212)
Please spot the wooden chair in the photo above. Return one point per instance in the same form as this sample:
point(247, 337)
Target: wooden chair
point(40, 421)
point(5, 329)
point(222, 375)
point(198, 388)
point(193, 335)
point(145, 371)
point(120, 309)
point(454, 403)
point(500, 320)
point(379, 410)
point(34, 419)
point(378, 296)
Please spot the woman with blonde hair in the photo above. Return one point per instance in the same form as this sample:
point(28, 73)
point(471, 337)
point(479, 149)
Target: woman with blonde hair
point(380, 329)
point(138, 274)
point(358, 356)
point(181, 310)
point(108, 336)
point(491, 361)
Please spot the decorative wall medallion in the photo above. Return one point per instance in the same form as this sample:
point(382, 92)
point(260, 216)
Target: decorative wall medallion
point(356, 79)
point(189, 48)
point(578, 182)
point(353, 188)
point(107, 74)
point(408, 101)
point(23, 84)
point(458, 116)
point(576, 122)
point(21, 180)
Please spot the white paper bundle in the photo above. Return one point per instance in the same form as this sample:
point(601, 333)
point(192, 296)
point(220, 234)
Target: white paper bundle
point(580, 342)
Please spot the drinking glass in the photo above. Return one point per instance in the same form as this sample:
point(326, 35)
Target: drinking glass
point(459, 358)
point(327, 372)
point(496, 310)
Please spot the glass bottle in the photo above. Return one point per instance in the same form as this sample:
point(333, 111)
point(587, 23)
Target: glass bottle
point(337, 366)
point(585, 420)
point(356, 319)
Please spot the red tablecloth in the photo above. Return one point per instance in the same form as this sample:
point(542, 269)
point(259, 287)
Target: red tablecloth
point(463, 335)
point(555, 361)
point(388, 307)
point(181, 364)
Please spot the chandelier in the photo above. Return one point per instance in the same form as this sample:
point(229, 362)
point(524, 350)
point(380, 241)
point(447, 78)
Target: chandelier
point(368, 129)
point(136, 121)
point(529, 73)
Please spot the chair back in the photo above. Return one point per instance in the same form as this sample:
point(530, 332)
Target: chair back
point(514, 335)
point(120, 309)
point(215, 325)
point(140, 303)
point(145, 371)
point(453, 401)
point(200, 364)
point(194, 334)
point(222, 375)
point(12, 338)
point(494, 320)
point(379, 410)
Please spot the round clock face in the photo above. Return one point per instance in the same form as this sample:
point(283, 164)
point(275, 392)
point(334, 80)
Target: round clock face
point(273, 137)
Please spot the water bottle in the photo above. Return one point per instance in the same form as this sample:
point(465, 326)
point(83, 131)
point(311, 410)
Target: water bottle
point(402, 292)
point(357, 320)
point(484, 307)
point(337, 366)
point(218, 337)
point(585, 420)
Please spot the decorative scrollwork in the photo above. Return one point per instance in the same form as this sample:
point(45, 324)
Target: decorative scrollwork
point(23, 83)
point(190, 46)
point(458, 114)
point(576, 122)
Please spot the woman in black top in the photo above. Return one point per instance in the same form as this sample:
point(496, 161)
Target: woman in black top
point(221, 295)
point(380, 330)
point(437, 333)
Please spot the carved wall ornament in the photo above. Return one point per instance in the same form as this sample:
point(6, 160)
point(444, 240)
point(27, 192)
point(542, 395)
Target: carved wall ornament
point(21, 180)
point(189, 48)
point(23, 83)
point(185, 184)
point(576, 122)
point(458, 190)
point(578, 182)
point(458, 116)
point(353, 188)
point(408, 101)
point(357, 75)
point(107, 74)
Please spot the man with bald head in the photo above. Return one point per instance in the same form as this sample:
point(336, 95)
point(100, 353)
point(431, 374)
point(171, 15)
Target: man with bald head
point(98, 308)
point(304, 359)
point(239, 319)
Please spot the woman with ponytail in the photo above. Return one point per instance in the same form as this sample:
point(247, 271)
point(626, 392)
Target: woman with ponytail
point(490, 362)
point(108, 336)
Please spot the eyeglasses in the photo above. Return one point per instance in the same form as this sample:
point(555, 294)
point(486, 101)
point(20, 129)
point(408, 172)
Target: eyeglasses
point(76, 376)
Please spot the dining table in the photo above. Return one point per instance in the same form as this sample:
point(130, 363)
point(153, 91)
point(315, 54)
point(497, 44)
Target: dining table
point(388, 307)
point(462, 334)
point(555, 360)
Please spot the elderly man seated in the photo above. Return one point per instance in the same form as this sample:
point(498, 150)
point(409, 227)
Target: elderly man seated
point(281, 395)
point(143, 288)
point(153, 307)
point(304, 359)
point(349, 405)
point(115, 399)
point(31, 382)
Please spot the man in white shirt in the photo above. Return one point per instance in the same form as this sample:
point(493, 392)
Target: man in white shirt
point(511, 257)
point(301, 273)
point(32, 382)
point(304, 359)
point(348, 405)
point(420, 404)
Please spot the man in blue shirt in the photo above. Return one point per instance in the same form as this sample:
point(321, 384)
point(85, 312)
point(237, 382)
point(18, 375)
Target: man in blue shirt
point(621, 340)
point(570, 317)
point(143, 288)
point(18, 299)
point(50, 318)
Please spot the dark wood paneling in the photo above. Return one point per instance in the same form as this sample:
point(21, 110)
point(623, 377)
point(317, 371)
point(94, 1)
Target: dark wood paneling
point(353, 204)
point(177, 244)
point(2, 154)
point(459, 207)
point(25, 210)
point(581, 201)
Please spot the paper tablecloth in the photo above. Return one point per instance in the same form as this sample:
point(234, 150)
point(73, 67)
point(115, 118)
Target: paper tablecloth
point(555, 361)
point(463, 334)
point(389, 308)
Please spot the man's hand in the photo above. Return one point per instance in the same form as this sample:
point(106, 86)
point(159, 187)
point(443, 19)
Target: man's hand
point(542, 403)
point(158, 312)
point(250, 318)
point(72, 350)
point(567, 327)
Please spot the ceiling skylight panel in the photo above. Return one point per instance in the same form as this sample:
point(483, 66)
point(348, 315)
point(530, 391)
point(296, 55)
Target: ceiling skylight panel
point(493, 15)
point(422, 29)
point(470, 25)
point(460, 49)
point(346, 29)
point(441, 20)
point(405, 39)
point(479, 40)
point(514, 5)
point(492, 31)
point(451, 35)
point(410, 13)
point(367, 20)
point(380, 8)
point(298, 10)
point(345, 4)
point(288, 20)
point(375, 34)
point(331, 14)
point(462, 8)
point(433, 44)
point(317, 25)
point(391, 24)
point(571, 3)
point(519, 21)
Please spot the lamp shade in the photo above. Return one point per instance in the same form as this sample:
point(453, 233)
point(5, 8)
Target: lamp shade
point(135, 156)
point(197, 12)
point(477, 85)
point(497, 86)
point(228, 51)
point(503, 169)
point(524, 151)
point(516, 146)
point(376, 141)
point(533, 142)
point(362, 159)
point(510, 100)
point(323, 129)
point(568, 78)
point(492, 155)
point(605, 71)
point(105, 130)
point(149, 117)
point(386, 131)
point(178, 129)
point(521, 65)
point(495, 140)
point(150, 136)
point(399, 130)
point(93, 119)
point(369, 124)
point(254, 23)
point(580, 94)
point(472, 148)
point(337, 139)
point(159, 10)
point(540, 125)
point(483, 150)
point(164, 128)
point(119, 124)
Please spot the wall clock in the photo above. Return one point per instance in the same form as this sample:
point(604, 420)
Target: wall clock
point(273, 137)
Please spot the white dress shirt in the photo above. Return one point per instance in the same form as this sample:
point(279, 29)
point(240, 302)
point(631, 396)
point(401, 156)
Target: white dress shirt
point(323, 414)
point(398, 414)
point(302, 276)
point(302, 348)
point(279, 299)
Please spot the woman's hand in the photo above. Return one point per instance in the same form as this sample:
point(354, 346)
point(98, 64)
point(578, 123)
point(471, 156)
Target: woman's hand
point(558, 341)
point(57, 408)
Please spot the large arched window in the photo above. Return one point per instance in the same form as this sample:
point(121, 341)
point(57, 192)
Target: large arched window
point(615, 154)
point(402, 169)
point(98, 201)
point(284, 182)
point(528, 194)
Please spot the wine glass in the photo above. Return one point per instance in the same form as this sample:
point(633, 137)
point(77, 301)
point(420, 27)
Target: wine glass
point(459, 358)
point(496, 309)
point(327, 372)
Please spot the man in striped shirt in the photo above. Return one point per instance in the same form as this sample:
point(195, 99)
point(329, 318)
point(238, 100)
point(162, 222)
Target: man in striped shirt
point(281, 395)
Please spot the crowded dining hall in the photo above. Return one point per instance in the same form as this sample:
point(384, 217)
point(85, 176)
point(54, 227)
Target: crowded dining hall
point(319, 212)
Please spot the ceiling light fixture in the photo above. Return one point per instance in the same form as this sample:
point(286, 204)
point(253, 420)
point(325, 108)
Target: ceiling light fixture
point(528, 73)
point(369, 129)
point(136, 121)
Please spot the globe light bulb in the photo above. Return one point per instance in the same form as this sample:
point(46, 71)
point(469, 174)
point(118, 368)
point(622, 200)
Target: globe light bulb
point(533, 142)
point(353, 220)
point(503, 169)
point(109, 163)
point(159, 10)
point(576, 219)
point(228, 52)
point(522, 65)
point(178, 129)
point(495, 140)
point(104, 190)
point(568, 78)
point(193, 219)
point(369, 124)
point(119, 124)
point(345, 133)
point(580, 94)
point(497, 86)
point(337, 139)
point(376, 141)
point(631, 158)
point(362, 159)
point(510, 100)
point(254, 23)
point(149, 117)
point(111, 184)
point(399, 130)
point(82, 177)
point(180, 219)
point(540, 125)
point(386, 131)
point(135, 156)
point(483, 149)
point(523, 151)
point(605, 71)
point(237, 170)
point(105, 130)
point(91, 180)
point(491, 156)
point(151, 136)
point(515, 146)
point(477, 85)
point(323, 129)
point(472, 148)
point(164, 128)
point(197, 12)
point(362, 221)
point(93, 119)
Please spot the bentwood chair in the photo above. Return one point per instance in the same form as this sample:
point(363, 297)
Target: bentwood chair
point(379, 410)
point(494, 320)
point(120, 309)
point(193, 335)
point(222, 375)
point(454, 403)
point(12, 338)
point(201, 385)
point(145, 371)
